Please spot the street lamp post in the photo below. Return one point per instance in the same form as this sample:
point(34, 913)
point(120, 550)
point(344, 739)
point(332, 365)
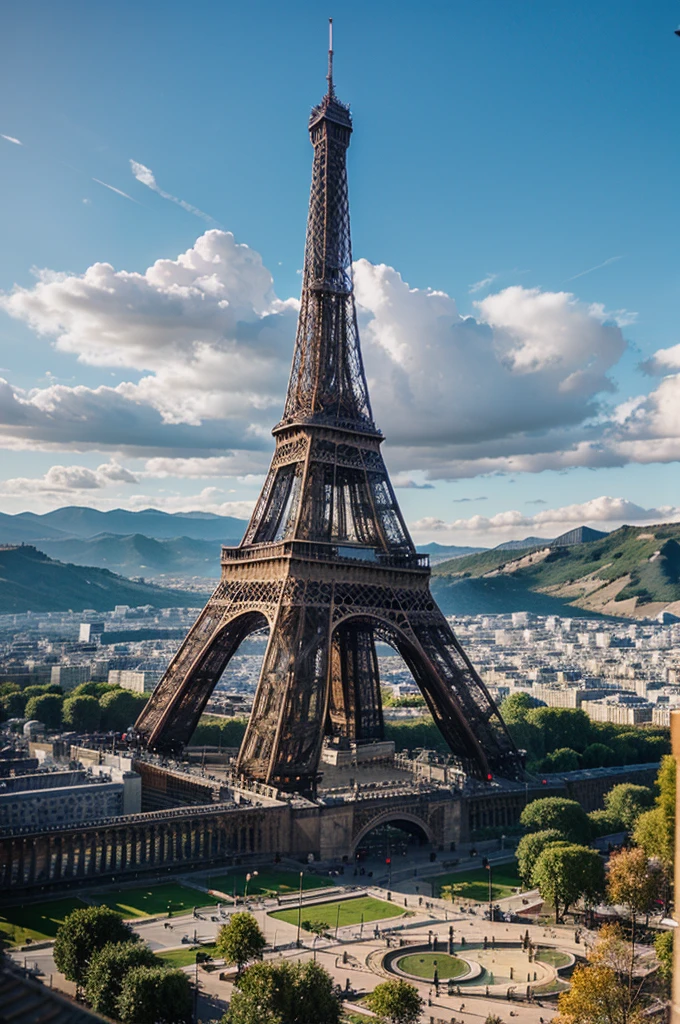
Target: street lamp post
point(297, 942)
point(245, 890)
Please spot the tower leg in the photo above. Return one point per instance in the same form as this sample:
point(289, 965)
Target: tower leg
point(458, 699)
point(173, 710)
point(283, 741)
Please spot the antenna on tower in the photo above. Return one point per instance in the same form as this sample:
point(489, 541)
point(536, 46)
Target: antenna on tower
point(329, 76)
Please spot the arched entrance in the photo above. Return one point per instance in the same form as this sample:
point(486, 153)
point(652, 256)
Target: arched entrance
point(354, 687)
point(176, 705)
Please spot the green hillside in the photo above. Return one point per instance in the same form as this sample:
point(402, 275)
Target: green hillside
point(30, 581)
point(640, 563)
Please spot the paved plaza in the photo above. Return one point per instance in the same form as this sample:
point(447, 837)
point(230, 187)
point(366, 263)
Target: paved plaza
point(354, 957)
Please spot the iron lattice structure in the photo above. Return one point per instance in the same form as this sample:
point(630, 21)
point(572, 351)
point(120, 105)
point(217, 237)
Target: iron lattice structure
point(326, 562)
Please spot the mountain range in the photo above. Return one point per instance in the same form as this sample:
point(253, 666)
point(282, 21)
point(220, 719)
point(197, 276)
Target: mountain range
point(81, 522)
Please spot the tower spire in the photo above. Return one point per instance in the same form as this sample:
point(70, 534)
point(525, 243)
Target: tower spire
point(329, 76)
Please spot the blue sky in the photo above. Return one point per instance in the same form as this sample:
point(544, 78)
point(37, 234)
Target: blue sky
point(524, 143)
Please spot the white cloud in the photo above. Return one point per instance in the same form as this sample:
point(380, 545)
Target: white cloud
point(604, 512)
point(63, 479)
point(146, 176)
point(10, 138)
point(210, 499)
point(524, 386)
point(479, 286)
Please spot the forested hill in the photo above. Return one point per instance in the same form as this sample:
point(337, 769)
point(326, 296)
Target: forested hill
point(30, 581)
point(634, 571)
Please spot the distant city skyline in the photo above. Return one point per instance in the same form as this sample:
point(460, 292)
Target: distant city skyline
point(513, 184)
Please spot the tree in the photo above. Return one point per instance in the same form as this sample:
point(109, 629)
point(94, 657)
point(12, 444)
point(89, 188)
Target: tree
point(13, 704)
point(562, 727)
point(120, 708)
point(635, 882)
point(107, 970)
point(626, 802)
point(530, 848)
point(155, 995)
point(565, 873)
point(663, 944)
point(654, 830)
point(240, 940)
point(597, 755)
point(82, 713)
point(92, 689)
point(562, 760)
point(517, 706)
point(284, 992)
point(46, 709)
point(603, 824)
point(596, 996)
point(396, 1002)
point(567, 816)
point(83, 933)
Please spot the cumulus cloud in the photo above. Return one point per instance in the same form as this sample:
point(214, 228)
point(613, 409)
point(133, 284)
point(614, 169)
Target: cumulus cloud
point(603, 512)
point(64, 479)
point(524, 385)
point(146, 176)
point(408, 483)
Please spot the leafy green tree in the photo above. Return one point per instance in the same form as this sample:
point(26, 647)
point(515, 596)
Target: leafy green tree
point(9, 687)
point(120, 708)
point(626, 802)
point(517, 706)
point(562, 727)
point(530, 848)
point(603, 824)
point(82, 713)
point(93, 689)
point(155, 995)
point(654, 830)
point(663, 944)
point(13, 704)
point(597, 755)
point(284, 992)
point(566, 873)
point(556, 812)
point(82, 934)
point(562, 760)
point(396, 1002)
point(240, 940)
point(107, 970)
point(36, 690)
point(46, 709)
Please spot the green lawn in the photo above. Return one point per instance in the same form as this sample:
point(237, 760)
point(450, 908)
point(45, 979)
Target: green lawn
point(351, 912)
point(36, 921)
point(149, 900)
point(474, 885)
point(184, 957)
point(554, 957)
point(421, 965)
point(266, 882)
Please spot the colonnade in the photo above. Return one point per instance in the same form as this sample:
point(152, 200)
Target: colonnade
point(139, 843)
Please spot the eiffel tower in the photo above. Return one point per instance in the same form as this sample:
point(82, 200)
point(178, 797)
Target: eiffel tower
point(326, 562)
